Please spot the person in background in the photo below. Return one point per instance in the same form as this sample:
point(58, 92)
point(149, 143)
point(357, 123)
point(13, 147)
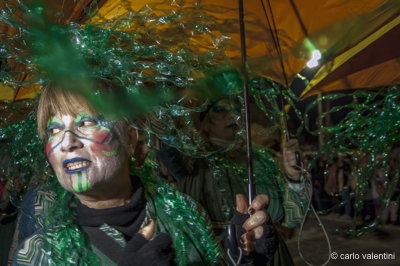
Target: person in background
point(317, 174)
point(218, 181)
point(390, 214)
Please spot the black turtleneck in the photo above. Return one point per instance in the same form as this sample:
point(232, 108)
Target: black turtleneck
point(127, 218)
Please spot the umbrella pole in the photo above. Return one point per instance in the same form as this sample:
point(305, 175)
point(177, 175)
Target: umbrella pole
point(251, 187)
point(235, 252)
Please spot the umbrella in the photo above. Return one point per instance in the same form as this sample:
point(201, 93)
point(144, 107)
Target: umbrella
point(373, 62)
point(67, 11)
point(280, 35)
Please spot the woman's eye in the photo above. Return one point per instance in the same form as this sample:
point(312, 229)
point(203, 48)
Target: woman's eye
point(87, 123)
point(54, 131)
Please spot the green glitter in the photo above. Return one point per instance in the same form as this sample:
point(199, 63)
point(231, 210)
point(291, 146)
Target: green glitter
point(110, 153)
point(368, 133)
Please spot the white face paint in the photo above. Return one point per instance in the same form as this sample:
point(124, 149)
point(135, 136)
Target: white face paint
point(85, 152)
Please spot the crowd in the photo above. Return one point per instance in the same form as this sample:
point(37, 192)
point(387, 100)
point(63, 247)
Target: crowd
point(216, 183)
point(340, 181)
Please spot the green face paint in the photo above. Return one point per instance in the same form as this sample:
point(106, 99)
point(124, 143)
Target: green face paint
point(80, 182)
point(110, 153)
point(53, 126)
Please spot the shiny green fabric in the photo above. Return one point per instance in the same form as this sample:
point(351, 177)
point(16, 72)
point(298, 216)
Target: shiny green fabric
point(215, 182)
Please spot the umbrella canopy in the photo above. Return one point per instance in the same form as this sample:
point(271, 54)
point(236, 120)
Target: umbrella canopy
point(67, 11)
point(374, 62)
point(280, 35)
point(278, 31)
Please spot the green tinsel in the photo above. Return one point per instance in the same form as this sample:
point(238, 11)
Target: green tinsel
point(22, 153)
point(66, 244)
point(185, 212)
point(64, 240)
point(369, 132)
point(157, 76)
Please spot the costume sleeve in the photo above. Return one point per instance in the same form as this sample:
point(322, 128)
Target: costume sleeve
point(288, 201)
point(187, 224)
point(31, 252)
point(294, 202)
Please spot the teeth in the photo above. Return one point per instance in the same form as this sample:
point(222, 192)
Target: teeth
point(77, 165)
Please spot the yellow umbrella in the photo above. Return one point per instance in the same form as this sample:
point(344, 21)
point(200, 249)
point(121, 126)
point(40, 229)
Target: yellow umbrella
point(62, 12)
point(277, 31)
point(280, 35)
point(374, 62)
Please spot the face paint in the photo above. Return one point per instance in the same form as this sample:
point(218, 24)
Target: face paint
point(80, 182)
point(84, 151)
point(220, 122)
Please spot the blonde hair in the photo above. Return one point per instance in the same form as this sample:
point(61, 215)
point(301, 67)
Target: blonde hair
point(55, 100)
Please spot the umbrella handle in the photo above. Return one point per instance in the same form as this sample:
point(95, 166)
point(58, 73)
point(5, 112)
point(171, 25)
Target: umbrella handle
point(235, 253)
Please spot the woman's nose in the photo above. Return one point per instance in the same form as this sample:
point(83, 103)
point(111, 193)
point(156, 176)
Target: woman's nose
point(70, 142)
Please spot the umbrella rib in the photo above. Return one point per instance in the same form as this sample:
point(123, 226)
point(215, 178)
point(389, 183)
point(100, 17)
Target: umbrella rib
point(296, 12)
point(16, 93)
point(274, 33)
point(275, 38)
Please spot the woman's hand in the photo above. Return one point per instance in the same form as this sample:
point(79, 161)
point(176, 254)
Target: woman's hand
point(290, 164)
point(144, 250)
point(253, 226)
point(256, 234)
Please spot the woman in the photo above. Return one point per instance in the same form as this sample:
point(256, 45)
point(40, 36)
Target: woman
point(216, 181)
point(122, 216)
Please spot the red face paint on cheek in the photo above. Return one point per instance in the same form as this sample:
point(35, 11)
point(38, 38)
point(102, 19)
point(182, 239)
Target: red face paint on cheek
point(96, 148)
point(102, 137)
point(49, 152)
point(102, 142)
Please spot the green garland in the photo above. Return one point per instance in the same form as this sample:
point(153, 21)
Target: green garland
point(371, 129)
point(187, 224)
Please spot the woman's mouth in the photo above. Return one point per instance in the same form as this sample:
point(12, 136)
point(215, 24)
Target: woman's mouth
point(75, 165)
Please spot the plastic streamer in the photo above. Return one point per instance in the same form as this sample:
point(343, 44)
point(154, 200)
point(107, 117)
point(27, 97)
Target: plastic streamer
point(171, 81)
point(369, 133)
point(171, 203)
point(26, 165)
point(73, 56)
point(267, 95)
point(127, 50)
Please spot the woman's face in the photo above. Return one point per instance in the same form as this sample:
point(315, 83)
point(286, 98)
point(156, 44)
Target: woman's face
point(220, 122)
point(85, 152)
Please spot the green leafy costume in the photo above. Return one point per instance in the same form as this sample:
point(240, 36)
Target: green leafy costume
point(175, 213)
point(215, 182)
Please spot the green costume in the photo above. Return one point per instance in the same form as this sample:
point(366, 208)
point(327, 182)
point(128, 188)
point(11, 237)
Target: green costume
point(215, 181)
point(175, 214)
